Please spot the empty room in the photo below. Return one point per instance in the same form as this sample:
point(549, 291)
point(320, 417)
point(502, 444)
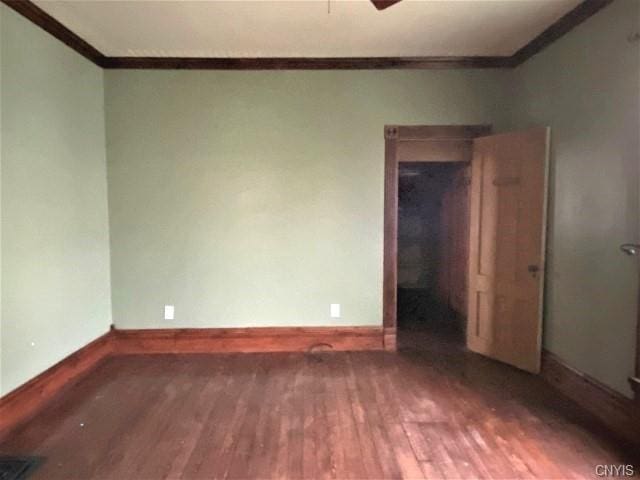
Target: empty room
point(319, 239)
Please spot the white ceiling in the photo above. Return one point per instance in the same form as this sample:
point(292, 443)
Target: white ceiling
point(306, 28)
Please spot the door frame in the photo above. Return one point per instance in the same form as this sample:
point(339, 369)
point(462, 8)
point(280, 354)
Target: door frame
point(412, 143)
point(635, 380)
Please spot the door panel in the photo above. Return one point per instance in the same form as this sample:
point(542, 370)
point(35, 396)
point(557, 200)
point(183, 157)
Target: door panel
point(506, 249)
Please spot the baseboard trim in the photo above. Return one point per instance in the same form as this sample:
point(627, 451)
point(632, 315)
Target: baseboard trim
point(246, 340)
point(390, 339)
point(615, 411)
point(24, 402)
point(635, 386)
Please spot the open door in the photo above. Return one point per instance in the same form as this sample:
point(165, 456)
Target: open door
point(506, 251)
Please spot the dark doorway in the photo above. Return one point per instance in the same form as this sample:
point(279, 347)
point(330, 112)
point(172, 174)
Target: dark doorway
point(433, 222)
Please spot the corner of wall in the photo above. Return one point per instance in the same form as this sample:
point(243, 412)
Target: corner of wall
point(583, 87)
point(52, 202)
point(2, 7)
point(105, 141)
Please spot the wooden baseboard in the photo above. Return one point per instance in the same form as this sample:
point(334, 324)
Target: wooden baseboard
point(227, 340)
point(390, 339)
point(25, 401)
point(635, 386)
point(615, 411)
point(618, 413)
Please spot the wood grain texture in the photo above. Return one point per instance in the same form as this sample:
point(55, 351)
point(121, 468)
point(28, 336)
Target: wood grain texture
point(49, 24)
point(303, 63)
point(390, 342)
point(616, 411)
point(449, 136)
point(435, 150)
point(220, 340)
point(22, 403)
point(390, 254)
point(426, 132)
point(508, 199)
point(429, 411)
point(25, 401)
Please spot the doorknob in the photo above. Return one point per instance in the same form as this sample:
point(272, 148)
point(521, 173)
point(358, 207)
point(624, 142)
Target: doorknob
point(533, 270)
point(630, 248)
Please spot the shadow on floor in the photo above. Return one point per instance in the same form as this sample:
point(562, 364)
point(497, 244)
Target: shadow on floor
point(420, 312)
point(431, 333)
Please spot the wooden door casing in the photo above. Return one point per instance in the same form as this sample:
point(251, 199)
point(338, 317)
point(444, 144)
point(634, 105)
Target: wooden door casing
point(430, 139)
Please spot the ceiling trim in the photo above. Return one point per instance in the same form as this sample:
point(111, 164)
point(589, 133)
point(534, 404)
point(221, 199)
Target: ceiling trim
point(304, 63)
point(558, 29)
point(49, 24)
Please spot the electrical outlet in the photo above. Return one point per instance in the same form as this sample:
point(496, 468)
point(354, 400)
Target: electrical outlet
point(169, 312)
point(335, 310)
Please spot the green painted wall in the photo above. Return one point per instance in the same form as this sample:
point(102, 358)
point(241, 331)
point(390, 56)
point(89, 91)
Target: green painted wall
point(256, 198)
point(55, 249)
point(586, 87)
point(1, 75)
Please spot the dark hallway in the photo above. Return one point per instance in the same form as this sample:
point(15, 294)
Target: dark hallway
point(432, 250)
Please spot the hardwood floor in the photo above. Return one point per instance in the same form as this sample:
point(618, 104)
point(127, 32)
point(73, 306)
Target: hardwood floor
point(430, 411)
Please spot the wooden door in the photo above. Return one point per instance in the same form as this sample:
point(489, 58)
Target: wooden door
point(506, 250)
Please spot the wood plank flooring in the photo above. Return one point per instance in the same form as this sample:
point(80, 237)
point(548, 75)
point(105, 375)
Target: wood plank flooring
point(432, 410)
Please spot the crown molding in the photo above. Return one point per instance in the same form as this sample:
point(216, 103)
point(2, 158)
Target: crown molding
point(558, 29)
point(32, 12)
point(562, 26)
point(304, 63)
